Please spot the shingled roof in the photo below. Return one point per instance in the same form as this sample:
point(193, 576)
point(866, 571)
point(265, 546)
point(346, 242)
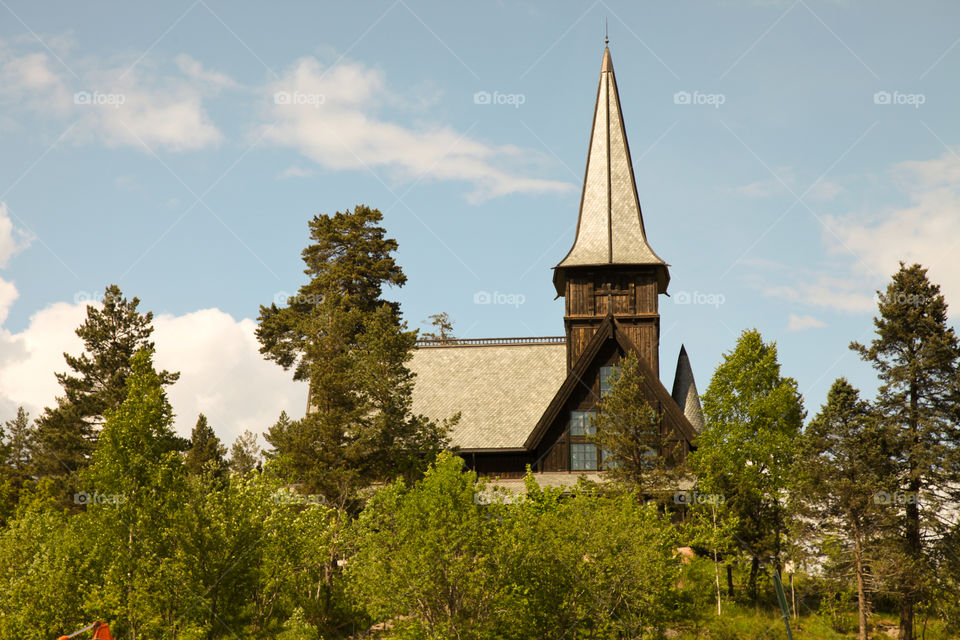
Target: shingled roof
point(500, 387)
point(685, 391)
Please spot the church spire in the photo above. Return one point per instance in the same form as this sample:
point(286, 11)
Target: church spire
point(685, 391)
point(610, 226)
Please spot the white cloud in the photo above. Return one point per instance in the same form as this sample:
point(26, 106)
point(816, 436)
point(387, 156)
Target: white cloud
point(116, 105)
point(927, 230)
point(799, 323)
point(222, 373)
point(330, 116)
point(12, 240)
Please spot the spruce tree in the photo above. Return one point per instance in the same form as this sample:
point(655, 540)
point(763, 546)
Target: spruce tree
point(244, 453)
point(352, 346)
point(111, 335)
point(916, 355)
point(206, 452)
point(842, 469)
point(630, 435)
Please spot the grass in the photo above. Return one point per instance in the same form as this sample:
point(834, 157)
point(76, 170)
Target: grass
point(743, 623)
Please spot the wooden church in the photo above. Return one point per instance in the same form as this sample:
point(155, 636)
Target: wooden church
point(529, 401)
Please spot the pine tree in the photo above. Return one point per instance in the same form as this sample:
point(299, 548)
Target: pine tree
point(16, 454)
point(842, 468)
point(442, 328)
point(111, 335)
point(916, 357)
point(629, 432)
point(206, 452)
point(338, 334)
point(747, 448)
point(244, 453)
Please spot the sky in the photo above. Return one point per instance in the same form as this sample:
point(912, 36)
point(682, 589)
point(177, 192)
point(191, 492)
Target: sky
point(788, 154)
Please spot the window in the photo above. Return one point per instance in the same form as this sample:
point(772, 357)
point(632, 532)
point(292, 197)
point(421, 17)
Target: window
point(607, 461)
point(581, 423)
point(583, 456)
point(608, 375)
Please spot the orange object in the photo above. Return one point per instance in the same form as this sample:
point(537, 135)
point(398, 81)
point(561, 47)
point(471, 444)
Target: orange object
point(100, 632)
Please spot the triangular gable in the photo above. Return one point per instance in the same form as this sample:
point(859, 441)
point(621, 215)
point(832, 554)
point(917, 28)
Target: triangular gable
point(609, 328)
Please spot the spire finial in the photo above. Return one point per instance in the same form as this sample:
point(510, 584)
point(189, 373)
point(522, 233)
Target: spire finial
point(606, 31)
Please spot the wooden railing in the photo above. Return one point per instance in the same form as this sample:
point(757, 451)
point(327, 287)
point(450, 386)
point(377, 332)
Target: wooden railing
point(459, 342)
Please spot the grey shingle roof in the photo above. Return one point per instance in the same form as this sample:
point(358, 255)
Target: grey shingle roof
point(610, 227)
point(501, 390)
point(685, 391)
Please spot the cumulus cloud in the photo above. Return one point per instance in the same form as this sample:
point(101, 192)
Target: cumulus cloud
point(799, 323)
point(222, 374)
point(330, 115)
point(115, 105)
point(926, 230)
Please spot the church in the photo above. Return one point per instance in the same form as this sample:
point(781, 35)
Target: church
point(529, 401)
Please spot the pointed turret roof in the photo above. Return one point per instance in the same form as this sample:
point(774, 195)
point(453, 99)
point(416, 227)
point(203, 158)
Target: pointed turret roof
point(610, 227)
point(685, 391)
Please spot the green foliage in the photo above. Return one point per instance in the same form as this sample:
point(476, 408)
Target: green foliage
point(630, 431)
point(748, 446)
point(297, 628)
point(352, 347)
point(206, 452)
point(442, 328)
point(244, 453)
point(450, 558)
point(67, 433)
point(916, 356)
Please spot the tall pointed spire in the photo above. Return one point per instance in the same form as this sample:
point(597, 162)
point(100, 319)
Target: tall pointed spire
point(685, 391)
point(610, 226)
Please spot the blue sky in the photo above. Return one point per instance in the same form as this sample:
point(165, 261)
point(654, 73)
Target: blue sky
point(180, 148)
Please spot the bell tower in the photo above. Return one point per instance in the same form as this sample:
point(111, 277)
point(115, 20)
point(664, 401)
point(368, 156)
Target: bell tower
point(611, 268)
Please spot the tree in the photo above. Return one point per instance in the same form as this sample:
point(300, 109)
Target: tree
point(842, 467)
point(352, 347)
point(916, 354)
point(111, 335)
point(206, 451)
point(16, 454)
point(135, 488)
point(442, 328)
point(630, 434)
point(746, 450)
point(244, 453)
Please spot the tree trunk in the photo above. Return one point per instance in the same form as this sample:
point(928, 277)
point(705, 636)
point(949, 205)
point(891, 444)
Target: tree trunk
point(914, 543)
point(862, 606)
point(752, 583)
point(716, 564)
point(730, 580)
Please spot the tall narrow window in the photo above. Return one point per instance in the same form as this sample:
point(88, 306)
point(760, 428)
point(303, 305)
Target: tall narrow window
point(608, 376)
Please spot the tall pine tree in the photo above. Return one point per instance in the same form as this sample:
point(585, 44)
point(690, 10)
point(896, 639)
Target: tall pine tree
point(842, 468)
point(916, 355)
point(351, 345)
point(206, 452)
point(111, 335)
